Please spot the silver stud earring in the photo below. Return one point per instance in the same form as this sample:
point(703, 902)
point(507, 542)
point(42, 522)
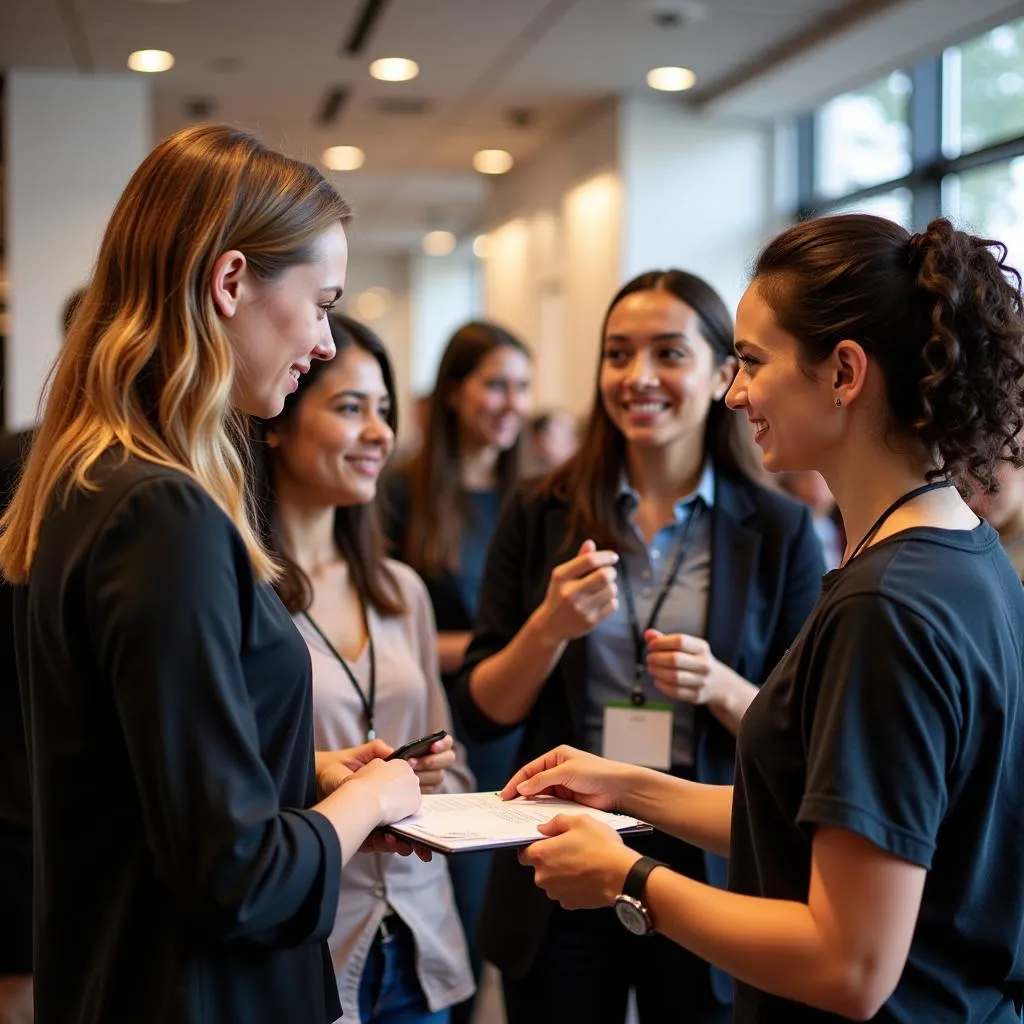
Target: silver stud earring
point(839, 403)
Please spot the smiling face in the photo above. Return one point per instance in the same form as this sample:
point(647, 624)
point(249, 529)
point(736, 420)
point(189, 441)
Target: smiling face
point(278, 327)
point(332, 450)
point(658, 373)
point(492, 402)
point(790, 408)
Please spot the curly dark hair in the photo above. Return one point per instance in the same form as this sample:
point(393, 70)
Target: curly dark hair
point(942, 314)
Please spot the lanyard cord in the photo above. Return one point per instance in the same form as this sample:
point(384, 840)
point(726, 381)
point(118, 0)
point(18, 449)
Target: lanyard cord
point(935, 485)
point(368, 702)
point(639, 646)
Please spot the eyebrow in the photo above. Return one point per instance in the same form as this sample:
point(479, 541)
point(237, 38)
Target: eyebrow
point(361, 395)
point(664, 336)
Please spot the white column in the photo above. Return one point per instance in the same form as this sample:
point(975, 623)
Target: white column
point(72, 142)
point(444, 293)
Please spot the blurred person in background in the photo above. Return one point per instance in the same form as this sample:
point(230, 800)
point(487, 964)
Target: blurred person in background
point(809, 486)
point(632, 604)
point(15, 791)
point(1004, 511)
point(552, 438)
point(444, 506)
point(398, 948)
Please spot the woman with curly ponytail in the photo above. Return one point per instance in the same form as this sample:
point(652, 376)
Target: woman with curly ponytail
point(875, 824)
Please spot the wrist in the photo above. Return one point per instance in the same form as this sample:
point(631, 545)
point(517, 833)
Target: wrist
point(618, 868)
point(723, 686)
point(365, 799)
point(541, 629)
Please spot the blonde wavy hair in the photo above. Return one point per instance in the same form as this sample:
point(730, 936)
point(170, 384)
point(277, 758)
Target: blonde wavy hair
point(147, 364)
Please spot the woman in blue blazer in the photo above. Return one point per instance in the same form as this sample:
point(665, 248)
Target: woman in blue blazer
point(631, 605)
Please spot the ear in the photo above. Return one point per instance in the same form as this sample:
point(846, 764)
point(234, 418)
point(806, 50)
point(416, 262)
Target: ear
point(272, 439)
point(848, 367)
point(228, 282)
point(724, 374)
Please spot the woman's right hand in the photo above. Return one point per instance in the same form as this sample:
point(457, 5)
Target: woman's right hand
point(573, 775)
point(395, 787)
point(581, 593)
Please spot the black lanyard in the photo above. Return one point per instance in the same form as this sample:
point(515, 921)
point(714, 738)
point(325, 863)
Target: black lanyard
point(367, 702)
point(639, 647)
point(898, 503)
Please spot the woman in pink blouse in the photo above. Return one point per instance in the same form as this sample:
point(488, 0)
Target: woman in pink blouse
point(398, 947)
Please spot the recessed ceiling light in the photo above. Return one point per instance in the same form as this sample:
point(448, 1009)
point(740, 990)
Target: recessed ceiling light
point(394, 69)
point(438, 243)
point(493, 161)
point(482, 247)
point(373, 303)
point(151, 60)
point(671, 79)
point(344, 158)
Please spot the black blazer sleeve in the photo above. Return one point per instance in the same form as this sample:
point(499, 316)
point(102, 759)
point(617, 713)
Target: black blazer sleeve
point(512, 587)
point(170, 587)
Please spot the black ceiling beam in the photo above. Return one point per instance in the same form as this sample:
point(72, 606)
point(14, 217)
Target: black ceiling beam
point(369, 16)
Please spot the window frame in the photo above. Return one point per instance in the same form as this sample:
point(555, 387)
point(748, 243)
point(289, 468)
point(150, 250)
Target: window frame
point(929, 163)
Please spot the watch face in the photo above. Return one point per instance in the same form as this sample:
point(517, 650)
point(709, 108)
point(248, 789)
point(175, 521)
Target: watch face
point(632, 915)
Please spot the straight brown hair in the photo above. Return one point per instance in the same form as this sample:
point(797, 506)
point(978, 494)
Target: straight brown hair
point(437, 504)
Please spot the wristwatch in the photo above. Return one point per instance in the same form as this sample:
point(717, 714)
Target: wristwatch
point(629, 904)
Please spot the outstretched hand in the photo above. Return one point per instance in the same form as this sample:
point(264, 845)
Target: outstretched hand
point(572, 775)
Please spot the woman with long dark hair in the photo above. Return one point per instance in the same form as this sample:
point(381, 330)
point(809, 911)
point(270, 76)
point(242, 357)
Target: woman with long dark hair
point(632, 604)
point(874, 828)
point(445, 506)
point(398, 948)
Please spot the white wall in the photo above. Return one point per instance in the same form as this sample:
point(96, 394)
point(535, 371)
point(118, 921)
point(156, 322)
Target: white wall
point(445, 293)
point(390, 273)
point(72, 142)
point(554, 255)
point(698, 194)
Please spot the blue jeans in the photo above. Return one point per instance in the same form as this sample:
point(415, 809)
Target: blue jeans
point(389, 990)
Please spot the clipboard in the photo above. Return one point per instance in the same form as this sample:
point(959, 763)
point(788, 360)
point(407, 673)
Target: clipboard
point(471, 822)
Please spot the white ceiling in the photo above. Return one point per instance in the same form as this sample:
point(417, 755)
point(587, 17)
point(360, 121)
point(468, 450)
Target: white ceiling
point(268, 64)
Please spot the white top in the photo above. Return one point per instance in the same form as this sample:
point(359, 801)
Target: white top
point(410, 703)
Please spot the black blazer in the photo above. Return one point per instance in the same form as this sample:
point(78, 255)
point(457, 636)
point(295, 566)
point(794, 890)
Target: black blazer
point(168, 708)
point(766, 569)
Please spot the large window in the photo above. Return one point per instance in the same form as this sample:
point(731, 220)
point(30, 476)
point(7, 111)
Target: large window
point(944, 137)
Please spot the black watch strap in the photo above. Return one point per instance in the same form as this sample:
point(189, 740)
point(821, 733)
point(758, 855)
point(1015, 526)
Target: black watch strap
point(636, 880)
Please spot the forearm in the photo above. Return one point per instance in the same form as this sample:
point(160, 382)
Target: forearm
point(736, 694)
point(505, 685)
point(773, 945)
point(354, 813)
point(691, 811)
point(451, 650)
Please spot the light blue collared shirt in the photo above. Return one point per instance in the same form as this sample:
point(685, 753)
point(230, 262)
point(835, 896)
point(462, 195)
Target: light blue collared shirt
point(610, 648)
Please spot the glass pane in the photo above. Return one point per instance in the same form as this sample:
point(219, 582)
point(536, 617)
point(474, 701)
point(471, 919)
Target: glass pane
point(989, 202)
point(863, 137)
point(896, 205)
point(985, 89)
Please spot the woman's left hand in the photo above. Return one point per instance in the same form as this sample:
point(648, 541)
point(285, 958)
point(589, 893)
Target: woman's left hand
point(431, 769)
point(683, 667)
point(583, 865)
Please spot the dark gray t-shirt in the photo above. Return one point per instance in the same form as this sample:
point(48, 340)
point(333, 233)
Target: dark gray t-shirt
point(898, 714)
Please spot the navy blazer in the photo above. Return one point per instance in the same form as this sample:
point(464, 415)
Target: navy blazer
point(766, 569)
